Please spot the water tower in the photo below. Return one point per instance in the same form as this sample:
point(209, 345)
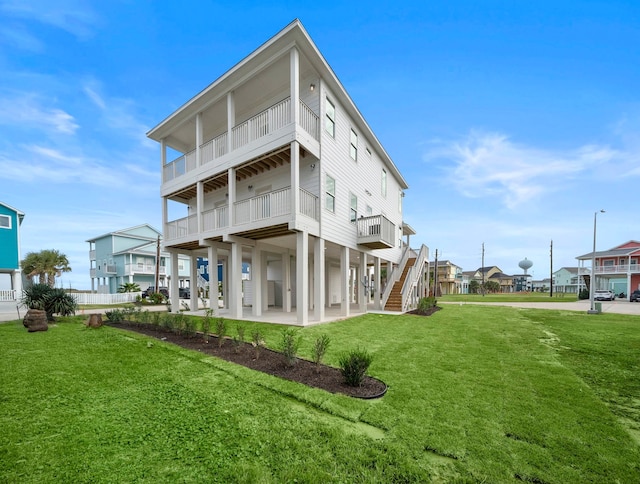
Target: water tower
point(525, 265)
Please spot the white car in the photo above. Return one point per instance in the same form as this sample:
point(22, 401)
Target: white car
point(604, 295)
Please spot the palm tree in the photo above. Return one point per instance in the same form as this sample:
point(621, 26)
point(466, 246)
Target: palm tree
point(46, 265)
point(129, 287)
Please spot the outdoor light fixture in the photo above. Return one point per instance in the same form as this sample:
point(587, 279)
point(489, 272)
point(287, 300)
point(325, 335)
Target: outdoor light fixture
point(250, 187)
point(592, 285)
point(312, 87)
point(312, 166)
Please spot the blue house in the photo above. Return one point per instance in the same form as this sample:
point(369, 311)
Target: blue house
point(10, 274)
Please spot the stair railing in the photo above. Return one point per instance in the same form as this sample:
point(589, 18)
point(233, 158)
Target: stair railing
point(409, 296)
point(395, 275)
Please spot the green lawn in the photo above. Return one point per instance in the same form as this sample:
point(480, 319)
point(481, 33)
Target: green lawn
point(476, 394)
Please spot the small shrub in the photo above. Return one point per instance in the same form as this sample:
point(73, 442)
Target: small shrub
point(156, 318)
point(238, 340)
point(354, 366)
point(258, 342)
point(114, 316)
point(188, 327)
point(320, 348)
point(221, 330)
point(425, 304)
point(206, 327)
point(583, 294)
point(156, 298)
point(240, 330)
point(289, 345)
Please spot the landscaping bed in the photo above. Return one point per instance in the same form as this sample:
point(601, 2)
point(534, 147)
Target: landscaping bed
point(267, 361)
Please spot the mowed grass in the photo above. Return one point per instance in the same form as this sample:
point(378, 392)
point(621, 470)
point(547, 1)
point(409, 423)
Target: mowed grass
point(476, 394)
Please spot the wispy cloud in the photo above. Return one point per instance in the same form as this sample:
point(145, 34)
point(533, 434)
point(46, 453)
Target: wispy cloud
point(73, 16)
point(19, 37)
point(491, 165)
point(28, 109)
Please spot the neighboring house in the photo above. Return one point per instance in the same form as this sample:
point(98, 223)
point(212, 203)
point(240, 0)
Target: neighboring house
point(10, 274)
point(492, 273)
point(129, 255)
point(617, 269)
point(279, 170)
point(522, 282)
point(542, 285)
point(566, 280)
point(449, 277)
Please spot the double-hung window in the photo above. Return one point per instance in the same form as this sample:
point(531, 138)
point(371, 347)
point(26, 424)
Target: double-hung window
point(330, 193)
point(330, 119)
point(353, 148)
point(354, 208)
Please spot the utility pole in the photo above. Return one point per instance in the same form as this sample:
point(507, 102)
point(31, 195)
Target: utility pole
point(157, 279)
point(482, 270)
point(435, 276)
point(551, 268)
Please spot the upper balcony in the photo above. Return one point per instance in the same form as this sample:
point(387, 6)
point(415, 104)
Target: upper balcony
point(376, 232)
point(262, 125)
point(142, 268)
point(618, 269)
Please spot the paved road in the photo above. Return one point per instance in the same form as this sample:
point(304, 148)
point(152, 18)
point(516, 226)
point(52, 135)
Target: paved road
point(617, 307)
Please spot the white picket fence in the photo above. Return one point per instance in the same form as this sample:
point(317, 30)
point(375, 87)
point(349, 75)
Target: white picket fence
point(7, 295)
point(84, 298)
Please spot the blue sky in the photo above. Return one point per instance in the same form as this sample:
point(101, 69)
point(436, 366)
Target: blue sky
point(512, 121)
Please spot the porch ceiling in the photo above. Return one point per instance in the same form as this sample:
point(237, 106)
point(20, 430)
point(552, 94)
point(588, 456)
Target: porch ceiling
point(253, 167)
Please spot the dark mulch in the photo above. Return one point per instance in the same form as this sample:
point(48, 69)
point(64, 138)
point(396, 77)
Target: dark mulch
point(268, 361)
point(428, 312)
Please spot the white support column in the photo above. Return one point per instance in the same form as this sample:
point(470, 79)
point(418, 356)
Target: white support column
point(256, 280)
point(294, 71)
point(198, 139)
point(165, 215)
point(265, 284)
point(363, 297)
point(376, 283)
point(286, 282)
point(163, 157)
point(302, 277)
point(319, 279)
point(173, 290)
point(200, 205)
point(295, 178)
point(231, 120)
point(344, 277)
point(231, 185)
point(235, 284)
point(193, 282)
point(225, 282)
point(212, 257)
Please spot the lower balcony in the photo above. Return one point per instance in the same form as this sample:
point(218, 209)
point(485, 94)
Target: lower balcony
point(376, 232)
point(148, 269)
point(265, 209)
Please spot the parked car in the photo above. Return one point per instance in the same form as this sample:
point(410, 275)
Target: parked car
point(603, 295)
point(184, 293)
point(635, 296)
point(151, 289)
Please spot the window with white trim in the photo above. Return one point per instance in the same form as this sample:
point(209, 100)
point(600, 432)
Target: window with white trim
point(354, 207)
point(330, 194)
point(384, 183)
point(5, 222)
point(353, 148)
point(330, 118)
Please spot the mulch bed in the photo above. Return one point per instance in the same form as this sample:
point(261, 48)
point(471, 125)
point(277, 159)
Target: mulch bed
point(269, 361)
point(428, 312)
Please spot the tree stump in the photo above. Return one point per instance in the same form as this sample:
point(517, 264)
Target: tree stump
point(35, 320)
point(94, 321)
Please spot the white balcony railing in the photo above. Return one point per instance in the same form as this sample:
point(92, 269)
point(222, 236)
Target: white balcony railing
point(260, 125)
point(619, 269)
point(262, 207)
point(181, 227)
point(216, 218)
point(92, 255)
point(7, 295)
point(376, 229)
point(142, 268)
point(268, 205)
point(111, 269)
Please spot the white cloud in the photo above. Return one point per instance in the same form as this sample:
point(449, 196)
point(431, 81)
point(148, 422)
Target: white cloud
point(491, 165)
point(26, 109)
point(17, 36)
point(73, 16)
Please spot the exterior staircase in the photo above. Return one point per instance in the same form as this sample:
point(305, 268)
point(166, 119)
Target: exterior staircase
point(394, 303)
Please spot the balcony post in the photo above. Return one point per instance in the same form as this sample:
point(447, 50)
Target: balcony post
point(231, 120)
point(294, 62)
point(199, 205)
point(295, 179)
point(344, 276)
point(231, 185)
point(198, 139)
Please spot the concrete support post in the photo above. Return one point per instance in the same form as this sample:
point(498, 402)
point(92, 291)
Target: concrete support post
point(302, 277)
point(212, 257)
point(193, 282)
point(286, 282)
point(345, 274)
point(256, 280)
point(319, 279)
point(173, 290)
point(376, 283)
point(363, 283)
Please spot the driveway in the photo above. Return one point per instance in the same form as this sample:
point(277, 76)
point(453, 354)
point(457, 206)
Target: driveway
point(617, 306)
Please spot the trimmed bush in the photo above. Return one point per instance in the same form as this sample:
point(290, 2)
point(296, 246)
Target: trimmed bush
point(354, 366)
point(425, 304)
point(289, 345)
point(320, 348)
